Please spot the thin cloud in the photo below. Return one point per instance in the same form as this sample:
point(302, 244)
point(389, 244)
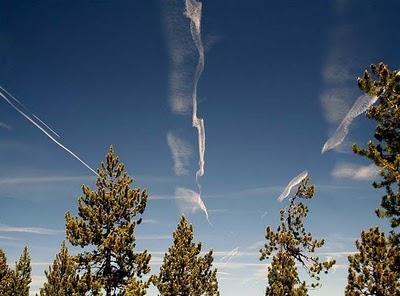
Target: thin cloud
point(5, 126)
point(355, 172)
point(43, 179)
point(181, 153)
point(153, 237)
point(30, 230)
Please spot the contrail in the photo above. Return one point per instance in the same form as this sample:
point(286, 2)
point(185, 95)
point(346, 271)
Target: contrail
point(294, 182)
point(190, 200)
point(44, 131)
point(23, 106)
point(193, 12)
point(230, 255)
point(360, 106)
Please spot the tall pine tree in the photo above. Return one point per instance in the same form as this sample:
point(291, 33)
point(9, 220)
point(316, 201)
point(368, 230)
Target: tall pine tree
point(21, 275)
point(375, 268)
point(291, 244)
point(62, 277)
point(184, 271)
point(5, 275)
point(371, 269)
point(106, 223)
point(385, 151)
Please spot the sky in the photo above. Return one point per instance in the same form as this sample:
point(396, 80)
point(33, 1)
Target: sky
point(278, 78)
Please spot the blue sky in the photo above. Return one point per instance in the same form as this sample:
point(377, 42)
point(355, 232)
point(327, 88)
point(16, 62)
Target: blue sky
point(278, 79)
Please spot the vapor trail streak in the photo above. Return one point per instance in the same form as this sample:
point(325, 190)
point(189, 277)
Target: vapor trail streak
point(294, 182)
point(190, 200)
point(22, 105)
point(193, 12)
point(45, 132)
point(360, 106)
point(230, 255)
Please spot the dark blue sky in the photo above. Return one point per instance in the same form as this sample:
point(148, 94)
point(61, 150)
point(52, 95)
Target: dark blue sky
point(278, 77)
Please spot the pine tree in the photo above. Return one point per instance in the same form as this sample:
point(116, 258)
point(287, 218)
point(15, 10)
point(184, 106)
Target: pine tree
point(386, 152)
point(371, 268)
point(106, 222)
point(21, 276)
point(291, 244)
point(5, 275)
point(375, 268)
point(184, 272)
point(62, 277)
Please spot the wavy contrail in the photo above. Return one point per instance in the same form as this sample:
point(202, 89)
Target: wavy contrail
point(360, 106)
point(294, 182)
point(193, 12)
point(42, 129)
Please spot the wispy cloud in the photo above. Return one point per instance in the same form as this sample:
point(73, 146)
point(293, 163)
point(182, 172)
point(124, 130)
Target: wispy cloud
point(181, 153)
point(5, 126)
point(153, 237)
point(43, 179)
point(355, 172)
point(31, 230)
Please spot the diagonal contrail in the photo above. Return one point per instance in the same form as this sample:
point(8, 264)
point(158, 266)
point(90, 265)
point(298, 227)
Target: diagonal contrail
point(22, 105)
point(43, 130)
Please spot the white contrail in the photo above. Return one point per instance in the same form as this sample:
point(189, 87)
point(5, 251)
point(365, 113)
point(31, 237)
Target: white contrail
point(193, 12)
point(230, 255)
point(44, 131)
point(49, 128)
point(360, 106)
point(181, 152)
point(190, 201)
point(294, 182)
point(23, 106)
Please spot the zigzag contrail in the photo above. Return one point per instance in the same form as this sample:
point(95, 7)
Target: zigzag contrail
point(41, 128)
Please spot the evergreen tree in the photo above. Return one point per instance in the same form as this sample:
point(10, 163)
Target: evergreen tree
point(375, 269)
point(184, 272)
point(5, 275)
point(291, 244)
point(371, 269)
point(386, 152)
point(21, 276)
point(106, 222)
point(62, 277)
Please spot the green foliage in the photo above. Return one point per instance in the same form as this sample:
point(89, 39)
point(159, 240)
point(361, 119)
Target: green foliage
point(291, 244)
point(386, 152)
point(375, 268)
point(21, 275)
point(184, 272)
point(106, 222)
point(62, 277)
point(5, 275)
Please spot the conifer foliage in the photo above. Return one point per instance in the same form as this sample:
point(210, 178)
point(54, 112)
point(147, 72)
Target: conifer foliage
point(106, 221)
point(5, 275)
point(62, 277)
point(21, 275)
point(386, 152)
point(184, 271)
point(291, 244)
point(375, 268)
point(371, 270)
